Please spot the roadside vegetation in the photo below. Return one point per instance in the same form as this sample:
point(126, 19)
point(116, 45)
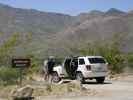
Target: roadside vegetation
point(118, 60)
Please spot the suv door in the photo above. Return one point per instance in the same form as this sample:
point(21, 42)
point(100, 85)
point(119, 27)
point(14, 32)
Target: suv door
point(81, 64)
point(74, 66)
point(66, 66)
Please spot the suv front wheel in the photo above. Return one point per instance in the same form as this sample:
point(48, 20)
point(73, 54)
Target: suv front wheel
point(55, 77)
point(100, 80)
point(79, 77)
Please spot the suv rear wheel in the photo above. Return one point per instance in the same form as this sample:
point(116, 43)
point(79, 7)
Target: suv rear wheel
point(100, 80)
point(79, 77)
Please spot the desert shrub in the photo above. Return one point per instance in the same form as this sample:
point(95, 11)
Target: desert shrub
point(130, 61)
point(115, 59)
point(35, 63)
point(117, 64)
point(8, 47)
point(8, 75)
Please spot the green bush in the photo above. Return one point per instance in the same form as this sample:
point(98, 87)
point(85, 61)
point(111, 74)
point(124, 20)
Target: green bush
point(116, 60)
point(117, 64)
point(7, 47)
point(130, 60)
point(35, 64)
point(8, 75)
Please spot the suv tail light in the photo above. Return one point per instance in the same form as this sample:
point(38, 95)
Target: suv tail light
point(88, 67)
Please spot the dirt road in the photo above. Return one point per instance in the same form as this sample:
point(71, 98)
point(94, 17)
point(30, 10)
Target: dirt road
point(121, 89)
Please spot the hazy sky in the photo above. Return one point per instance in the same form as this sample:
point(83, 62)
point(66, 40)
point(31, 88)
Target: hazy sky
point(72, 7)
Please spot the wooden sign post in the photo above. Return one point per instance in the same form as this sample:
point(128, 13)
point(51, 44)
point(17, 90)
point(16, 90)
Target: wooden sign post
point(21, 64)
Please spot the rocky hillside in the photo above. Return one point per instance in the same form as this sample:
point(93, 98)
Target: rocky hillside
point(100, 26)
point(57, 33)
point(24, 21)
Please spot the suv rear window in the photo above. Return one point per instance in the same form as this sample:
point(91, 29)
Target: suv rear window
point(96, 60)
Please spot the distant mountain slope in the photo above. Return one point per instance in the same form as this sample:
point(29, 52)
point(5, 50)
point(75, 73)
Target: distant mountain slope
point(55, 33)
point(99, 26)
point(23, 21)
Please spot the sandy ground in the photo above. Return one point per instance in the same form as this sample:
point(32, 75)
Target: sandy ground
point(120, 89)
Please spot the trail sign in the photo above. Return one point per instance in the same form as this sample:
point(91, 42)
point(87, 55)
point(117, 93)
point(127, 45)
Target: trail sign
point(21, 63)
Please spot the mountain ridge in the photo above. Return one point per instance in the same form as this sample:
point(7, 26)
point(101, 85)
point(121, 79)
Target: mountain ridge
point(53, 32)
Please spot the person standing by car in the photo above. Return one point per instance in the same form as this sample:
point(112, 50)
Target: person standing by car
point(49, 64)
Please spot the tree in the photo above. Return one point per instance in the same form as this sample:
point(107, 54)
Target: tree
point(7, 47)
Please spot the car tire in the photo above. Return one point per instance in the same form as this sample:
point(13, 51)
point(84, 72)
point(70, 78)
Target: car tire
point(55, 78)
point(100, 80)
point(79, 77)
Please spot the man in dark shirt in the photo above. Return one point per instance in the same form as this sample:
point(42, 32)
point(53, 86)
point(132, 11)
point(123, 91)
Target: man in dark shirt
point(50, 65)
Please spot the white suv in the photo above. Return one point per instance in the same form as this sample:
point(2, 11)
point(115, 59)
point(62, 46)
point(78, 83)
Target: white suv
point(81, 68)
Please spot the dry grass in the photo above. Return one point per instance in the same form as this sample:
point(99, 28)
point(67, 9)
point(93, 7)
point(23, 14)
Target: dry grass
point(62, 90)
point(5, 92)
point(47, 89)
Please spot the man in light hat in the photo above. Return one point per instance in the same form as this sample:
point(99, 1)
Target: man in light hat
point(45, 69)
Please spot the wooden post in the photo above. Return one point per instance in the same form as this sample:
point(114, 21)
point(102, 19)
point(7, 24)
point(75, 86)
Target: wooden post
point(21, 76)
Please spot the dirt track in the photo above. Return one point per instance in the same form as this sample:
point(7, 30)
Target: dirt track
point(121, 89)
